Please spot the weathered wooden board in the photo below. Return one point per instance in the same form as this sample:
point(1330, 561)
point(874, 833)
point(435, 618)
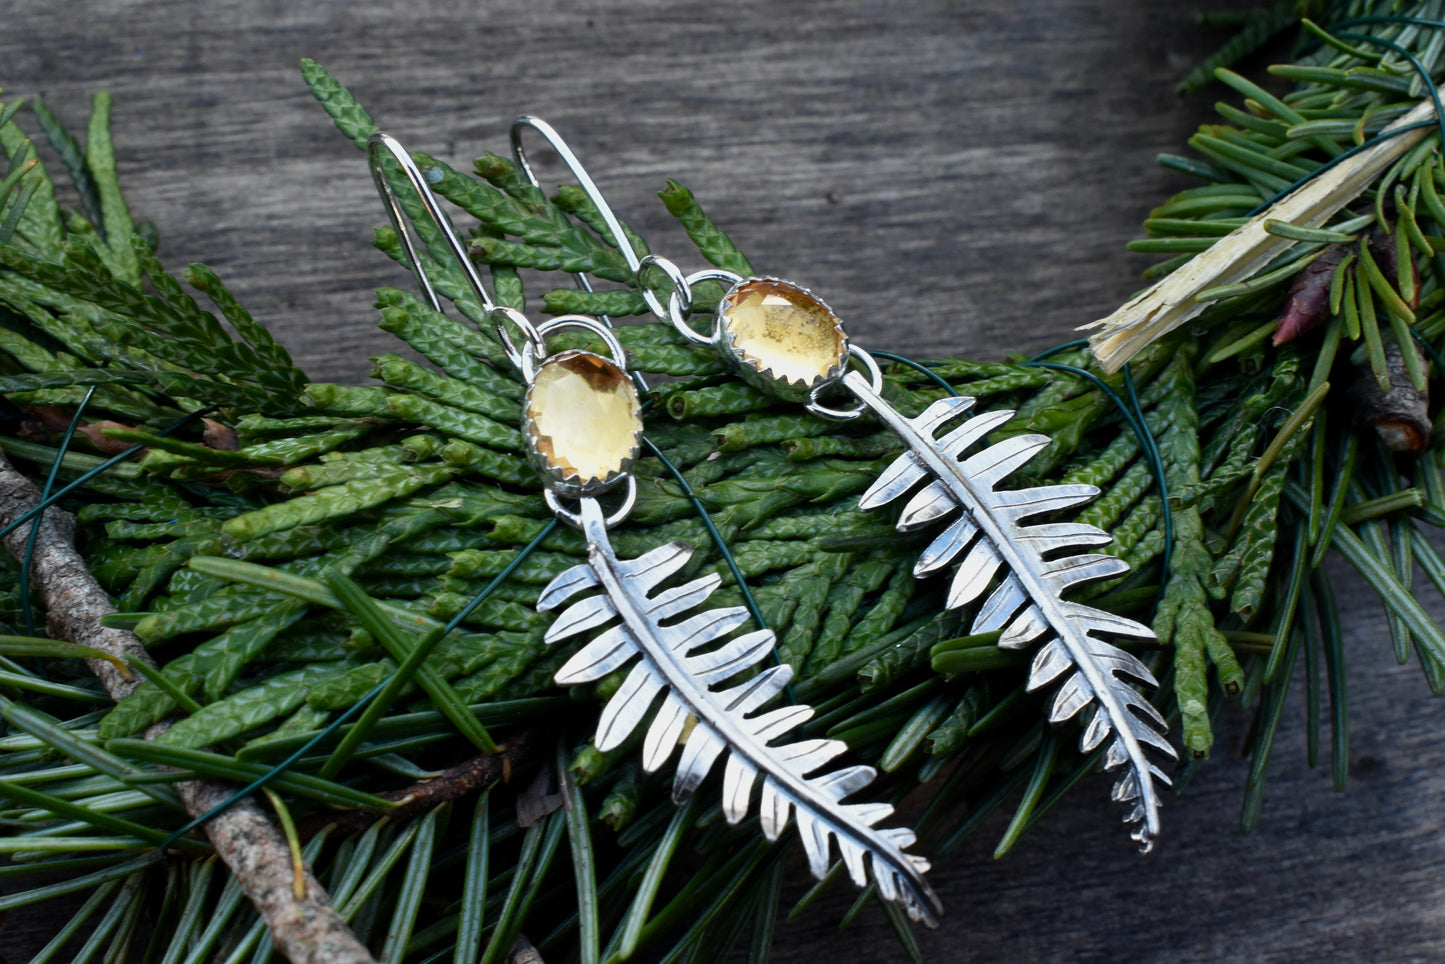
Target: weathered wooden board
point(953, 177)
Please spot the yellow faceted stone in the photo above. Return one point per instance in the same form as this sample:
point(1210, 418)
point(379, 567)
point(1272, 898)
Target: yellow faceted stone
point(583, 416)
point(780, 328)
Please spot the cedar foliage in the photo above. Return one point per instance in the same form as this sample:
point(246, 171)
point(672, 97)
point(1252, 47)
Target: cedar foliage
point(285, 548)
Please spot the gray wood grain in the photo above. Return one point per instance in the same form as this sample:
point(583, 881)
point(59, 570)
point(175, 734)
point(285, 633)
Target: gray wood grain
point(953, 177)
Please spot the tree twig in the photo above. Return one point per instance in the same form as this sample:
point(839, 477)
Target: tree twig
point(453, 783)
point(307, 930)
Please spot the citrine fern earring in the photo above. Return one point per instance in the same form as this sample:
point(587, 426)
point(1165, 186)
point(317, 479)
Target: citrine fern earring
point(583, 431)
point(785, 341)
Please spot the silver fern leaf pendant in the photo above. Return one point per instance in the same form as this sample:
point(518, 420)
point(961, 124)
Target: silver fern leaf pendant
point(685, 660)
point(1027, 605)
point(783, 339)
point(583, 428)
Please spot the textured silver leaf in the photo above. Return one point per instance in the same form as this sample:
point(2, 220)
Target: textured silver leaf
point(997, 462)
point(1029, 626)
point(940, 551)
point(1070, 533)
point(580, 617)
point(774, 723)
point(773, 810)
point(565, 586)
point(1095, 733)
point(663, 734)
point(974, 574)
point(627, 708)
point(673, 602)
point(1000, 606)
point(699, 753)
point(897, 479)
point(604, 654)
point(1070, 698)
point(945, 410)
point(1049, 664)
point(684, 660)
point(731, 657)
point(963, 437)
point(931, 503)
point(648, 570)
point(1039, 563)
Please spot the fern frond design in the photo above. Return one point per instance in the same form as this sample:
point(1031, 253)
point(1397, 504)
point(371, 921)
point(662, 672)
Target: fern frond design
point(686, 659)
point(1027, 603)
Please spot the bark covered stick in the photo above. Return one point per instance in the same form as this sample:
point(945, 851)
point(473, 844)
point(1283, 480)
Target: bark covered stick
point(307, 930)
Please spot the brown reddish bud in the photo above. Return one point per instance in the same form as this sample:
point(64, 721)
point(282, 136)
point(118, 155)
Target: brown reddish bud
point(1309, 298)
point(219, 435)
point(103, 443)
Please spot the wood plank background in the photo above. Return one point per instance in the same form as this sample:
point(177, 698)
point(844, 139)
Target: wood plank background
point(954, 177)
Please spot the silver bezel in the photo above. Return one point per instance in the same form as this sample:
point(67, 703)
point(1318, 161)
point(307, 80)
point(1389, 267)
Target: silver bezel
point(793, 390)
point(560, 482)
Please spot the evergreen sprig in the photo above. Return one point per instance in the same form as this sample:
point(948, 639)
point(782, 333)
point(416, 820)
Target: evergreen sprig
point(322, 566)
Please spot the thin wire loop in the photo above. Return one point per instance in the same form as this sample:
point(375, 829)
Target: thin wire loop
point(382, 141)
point(574, 519)
point(584, 180)
point(584, 323)
point(1339, 159)
point(589, 187)
point(524, 360)
point(875, 378)
point(679, 300)
point(1414, 62)
point(677, 314)
point(1133, 413)
point(937, 379)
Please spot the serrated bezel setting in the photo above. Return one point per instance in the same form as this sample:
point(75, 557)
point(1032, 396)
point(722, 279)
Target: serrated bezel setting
point(554, 438)
point(763, 358)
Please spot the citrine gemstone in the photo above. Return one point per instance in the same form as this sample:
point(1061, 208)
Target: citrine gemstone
point(779, 328)
point(583, 417)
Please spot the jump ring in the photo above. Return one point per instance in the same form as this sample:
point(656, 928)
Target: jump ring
point(574, 519)
point(875, 378)
point(674, 274)
point(677, 310)
point(584, 323)
point(502, 314)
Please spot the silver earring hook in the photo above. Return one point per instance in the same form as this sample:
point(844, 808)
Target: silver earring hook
point(382, 141)
point(584, 180)
point(589, 187)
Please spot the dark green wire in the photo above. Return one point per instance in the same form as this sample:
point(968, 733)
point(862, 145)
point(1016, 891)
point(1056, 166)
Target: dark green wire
point(919, 367)
point(717, 538)
point(1066, 346)
point(1133, 413)
point(1438, 122)
point(1263, 205)
point(102, 467)
point(1424, 343)
point(1156, 466)
point(27, 611)
point(500, 577)
point(356, 707)
point(1419, 68)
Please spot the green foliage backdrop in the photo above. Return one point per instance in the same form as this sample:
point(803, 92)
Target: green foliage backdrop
point(343, 577)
